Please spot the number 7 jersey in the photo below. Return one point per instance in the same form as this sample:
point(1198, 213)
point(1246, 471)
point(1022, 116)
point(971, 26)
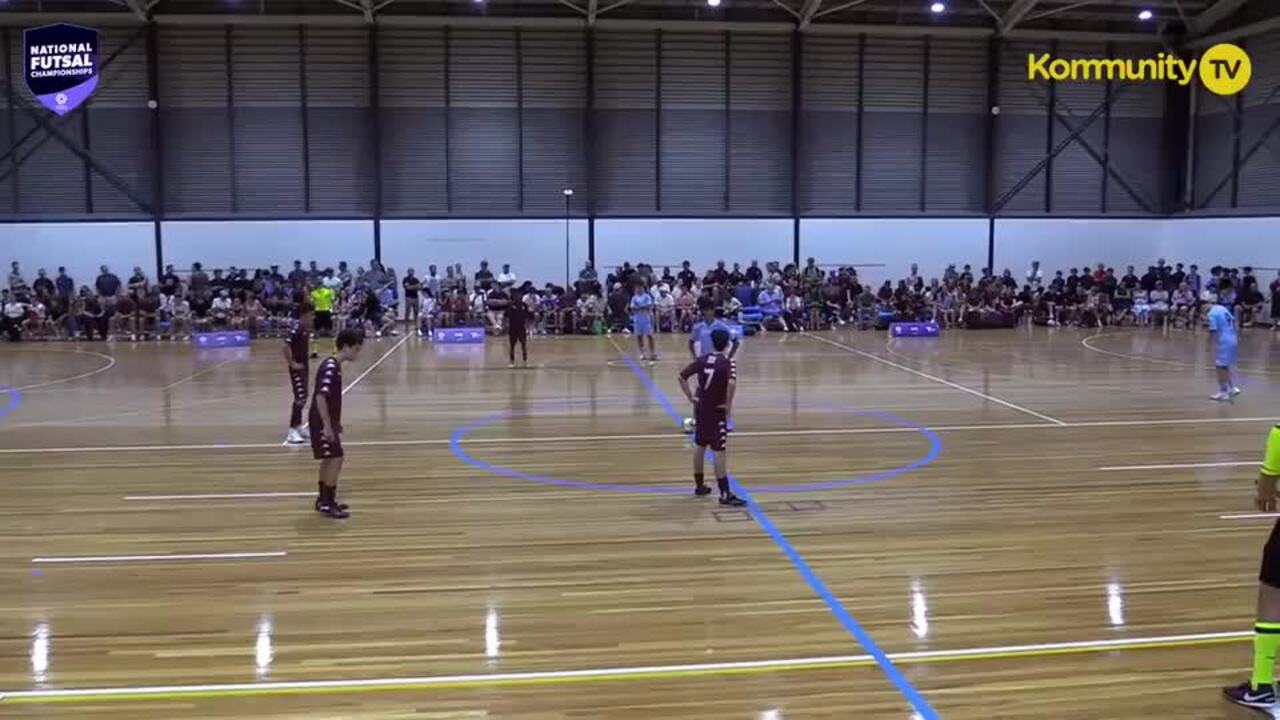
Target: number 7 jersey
point(715, 374)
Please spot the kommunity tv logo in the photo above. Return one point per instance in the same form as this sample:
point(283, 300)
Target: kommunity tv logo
point(1223, 69)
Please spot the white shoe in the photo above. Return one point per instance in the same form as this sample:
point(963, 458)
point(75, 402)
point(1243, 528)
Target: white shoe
point(1235, 391)
point(294, 437)
point(1221, 397)
point(305, 434)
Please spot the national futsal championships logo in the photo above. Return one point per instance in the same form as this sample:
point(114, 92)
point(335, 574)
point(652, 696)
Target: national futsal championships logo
point(1224, 69)
point(60, 63)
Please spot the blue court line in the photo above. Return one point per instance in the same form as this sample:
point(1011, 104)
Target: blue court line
point(913, 696)
point(15, 399)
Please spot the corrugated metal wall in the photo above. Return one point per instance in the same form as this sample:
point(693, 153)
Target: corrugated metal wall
point(284, 121)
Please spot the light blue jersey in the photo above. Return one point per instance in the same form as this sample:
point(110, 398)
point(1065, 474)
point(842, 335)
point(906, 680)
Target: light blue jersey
point(642, 314)
point(1223, 325)
point(701, 335)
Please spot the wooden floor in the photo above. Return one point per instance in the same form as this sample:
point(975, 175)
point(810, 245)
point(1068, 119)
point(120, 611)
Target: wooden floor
point(968, 505)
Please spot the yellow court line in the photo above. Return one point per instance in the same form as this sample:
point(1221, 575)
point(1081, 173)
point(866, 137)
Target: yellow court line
point(566, 677)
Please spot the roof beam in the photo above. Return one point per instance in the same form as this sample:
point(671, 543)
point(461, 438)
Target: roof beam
point(593, 7)
point(1213, 15)
point(139, 8)
point(1225, 36)
point(1015, 14)
point(808, 11)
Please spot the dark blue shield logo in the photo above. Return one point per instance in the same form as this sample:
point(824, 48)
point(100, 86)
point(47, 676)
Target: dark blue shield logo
point(60, 63)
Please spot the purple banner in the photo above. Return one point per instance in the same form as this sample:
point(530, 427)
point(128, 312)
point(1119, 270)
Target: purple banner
point(60, 63)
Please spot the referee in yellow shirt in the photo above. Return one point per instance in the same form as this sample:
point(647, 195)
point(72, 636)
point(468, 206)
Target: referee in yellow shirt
point(322, 299)
point(1260, 690)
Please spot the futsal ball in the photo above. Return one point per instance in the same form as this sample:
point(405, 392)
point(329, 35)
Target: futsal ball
point(689, 425)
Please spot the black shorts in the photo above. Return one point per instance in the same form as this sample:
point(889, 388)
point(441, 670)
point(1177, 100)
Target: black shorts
point(711, 431)
point(324, 321)
point(1270, 572)
point(518, 333)
point(298, 378)
point(322, 449)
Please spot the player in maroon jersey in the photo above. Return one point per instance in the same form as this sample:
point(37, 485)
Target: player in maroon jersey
point(297, 350)
point(326, 421)
point(712, 405)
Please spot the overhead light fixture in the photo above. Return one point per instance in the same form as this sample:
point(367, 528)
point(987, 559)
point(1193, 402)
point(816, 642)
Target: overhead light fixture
point(937, 8)
point(1146, 15)
point(713, 3)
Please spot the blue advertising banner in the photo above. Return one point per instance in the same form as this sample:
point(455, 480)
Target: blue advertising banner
point(60, 63)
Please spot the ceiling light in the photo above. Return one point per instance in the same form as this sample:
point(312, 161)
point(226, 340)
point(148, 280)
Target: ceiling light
point(1146, 15)
point(938, 8)
point(713, 3)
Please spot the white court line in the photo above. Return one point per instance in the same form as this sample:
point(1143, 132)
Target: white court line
point(153, 558)
point(618, 672)
point(892, 429)
point(1182, 466)
point(366, 372)
point(939, 380)
point(110, 364)
point(199, 373)
point(220, 496)
point(1249, 516)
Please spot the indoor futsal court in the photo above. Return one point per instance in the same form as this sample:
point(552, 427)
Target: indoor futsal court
point(1029, 523)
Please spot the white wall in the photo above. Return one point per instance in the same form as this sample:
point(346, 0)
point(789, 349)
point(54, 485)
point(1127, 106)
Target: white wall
point(1236, 242)
point(80, 247)
point(667, 243)
point(258, 244)
point(1065, 244)
point(534, 248)
point(895, 243)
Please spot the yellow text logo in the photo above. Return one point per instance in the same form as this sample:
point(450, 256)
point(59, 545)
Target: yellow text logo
point(1224, 69)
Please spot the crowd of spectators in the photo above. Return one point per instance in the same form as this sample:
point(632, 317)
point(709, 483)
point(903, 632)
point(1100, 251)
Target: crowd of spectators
point(788, 298)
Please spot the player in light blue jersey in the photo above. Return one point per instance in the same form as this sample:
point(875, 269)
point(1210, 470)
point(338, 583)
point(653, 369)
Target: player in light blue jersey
point(1223, 325)
point(700, 336)
point(642, 320)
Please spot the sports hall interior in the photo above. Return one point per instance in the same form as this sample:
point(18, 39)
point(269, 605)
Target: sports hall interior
point(1038, 520)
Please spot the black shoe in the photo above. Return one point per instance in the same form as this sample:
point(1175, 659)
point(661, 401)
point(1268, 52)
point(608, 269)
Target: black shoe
point(702, 490)
point(320, 504)
point(732, 500)
point(334, 511)
point(1245, 694)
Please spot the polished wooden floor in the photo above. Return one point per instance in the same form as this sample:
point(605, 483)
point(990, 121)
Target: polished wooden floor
point(975, 519)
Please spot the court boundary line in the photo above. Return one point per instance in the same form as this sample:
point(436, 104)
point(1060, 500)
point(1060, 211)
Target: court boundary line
point(200, 373)
point(622, 438)
point(111, 362)
point(108, 559)
point(1181, 466)
point(614, 674)
point(362, 375)
point(1250, 516)
point(219, 496)
point(846, 619)
point(934, 378)
point(1157, 361)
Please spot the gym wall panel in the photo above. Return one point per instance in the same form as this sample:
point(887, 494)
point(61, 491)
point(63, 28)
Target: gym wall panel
point(1065, 244)
point(196, 118)
point(759, 124)
point(535, 249)
point(553, 92)
point(1260, 173)
point(1021, 130)
point(626, 125)
point(892, 123)
point(266, 91)
point(1224, 241)
point(958, 112)
point(259, 244)
point(830, 89)
point(663, 243)
point(693, 124)
point(1137, 142)
point(484, 133)
point(1077, 176)
point(415, 127)
point(117, 125)
point(886, 247)
point(339, 121)
point(80, 247)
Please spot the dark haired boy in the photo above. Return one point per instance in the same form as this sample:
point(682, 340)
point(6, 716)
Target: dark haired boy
point(326, 421)
point(717, 375)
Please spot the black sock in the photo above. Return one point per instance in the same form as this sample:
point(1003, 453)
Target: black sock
point(723, 483)
point(295, 416)
point(698, 480)
point(333, 494)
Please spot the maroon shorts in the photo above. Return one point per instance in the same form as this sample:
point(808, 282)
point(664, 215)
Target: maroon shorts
point(299, 380)
point(321, 449)
point(711, 431)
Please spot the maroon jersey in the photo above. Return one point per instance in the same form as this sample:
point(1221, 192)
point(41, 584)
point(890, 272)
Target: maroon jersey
point(715, 373)
point(328, 385)
point(299, 344)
